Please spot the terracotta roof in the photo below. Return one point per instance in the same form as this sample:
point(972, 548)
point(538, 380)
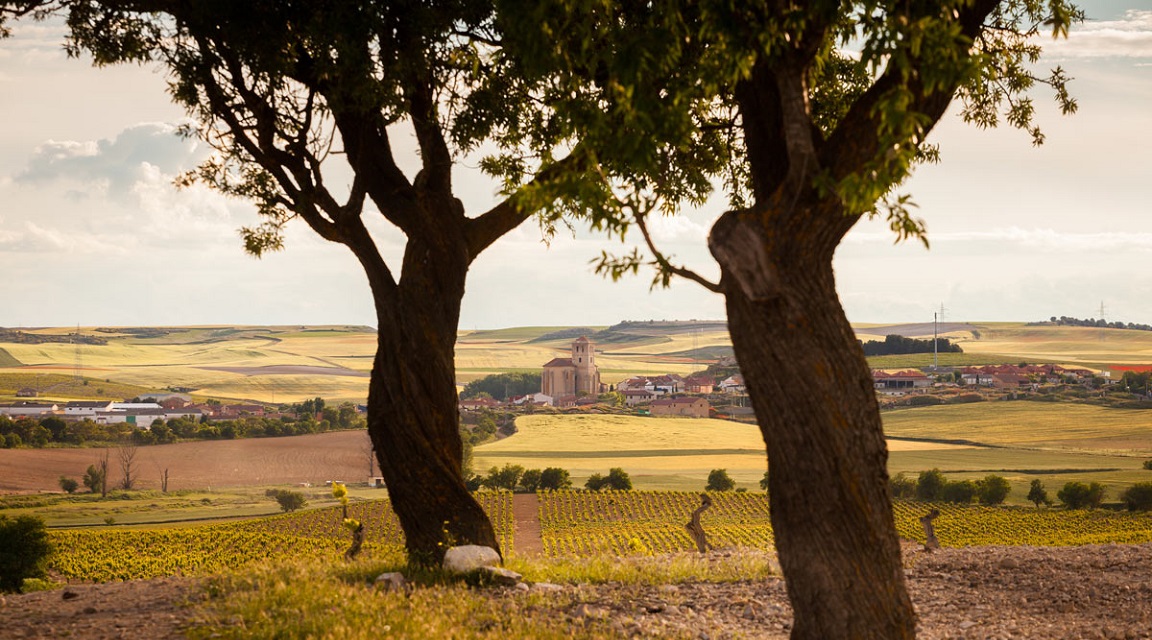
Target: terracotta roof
point(581, 339)
point(560, 362)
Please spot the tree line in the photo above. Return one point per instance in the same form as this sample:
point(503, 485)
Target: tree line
point(29, 431)
point(899, 345)
point(1065, 321)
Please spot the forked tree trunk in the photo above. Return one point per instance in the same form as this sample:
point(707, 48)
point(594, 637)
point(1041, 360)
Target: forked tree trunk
point(812, 391)
point(413, 418)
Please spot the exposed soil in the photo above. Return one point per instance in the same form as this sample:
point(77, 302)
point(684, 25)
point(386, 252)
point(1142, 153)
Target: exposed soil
point(987, 592)
point(525, 510)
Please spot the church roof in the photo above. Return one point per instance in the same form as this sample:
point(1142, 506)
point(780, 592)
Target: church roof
point(560, 362)
point(581, 339)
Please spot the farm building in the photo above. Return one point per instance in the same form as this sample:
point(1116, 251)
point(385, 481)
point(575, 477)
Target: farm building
point(27, 408)
point(690, 407)
point(900, 380)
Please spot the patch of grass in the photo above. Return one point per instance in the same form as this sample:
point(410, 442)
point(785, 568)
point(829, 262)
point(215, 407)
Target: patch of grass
point(310, 600)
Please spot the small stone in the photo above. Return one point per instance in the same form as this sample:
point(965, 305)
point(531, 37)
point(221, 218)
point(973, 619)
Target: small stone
point(585, 610)
point(390, 581)
point(749, 612)
point(1009, 563)
point(669, 588)
point(654, 608)
point(672, 610)
point(966, 625)
point(500, 575)
point(520, 586)
point(89, 610)
point(470, 557)
point(70, 595)
point(547, 586)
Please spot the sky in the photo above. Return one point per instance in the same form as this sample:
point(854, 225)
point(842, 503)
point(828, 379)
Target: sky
point(93, 233)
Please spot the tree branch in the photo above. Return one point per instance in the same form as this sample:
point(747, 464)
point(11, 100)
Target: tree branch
point(666, 265)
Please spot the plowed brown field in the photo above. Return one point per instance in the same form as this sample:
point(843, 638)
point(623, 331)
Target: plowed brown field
point(339, 455)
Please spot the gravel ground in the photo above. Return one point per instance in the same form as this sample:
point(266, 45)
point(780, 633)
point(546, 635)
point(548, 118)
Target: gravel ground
point(1100, 591)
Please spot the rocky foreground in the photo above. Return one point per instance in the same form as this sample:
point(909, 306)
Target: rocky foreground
point(1100, 591)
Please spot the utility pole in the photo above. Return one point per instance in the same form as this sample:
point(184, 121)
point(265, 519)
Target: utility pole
point(935, 341)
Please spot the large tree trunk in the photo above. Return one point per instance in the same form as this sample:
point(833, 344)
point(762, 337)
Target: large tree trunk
point(813, 395)
point(413, 418)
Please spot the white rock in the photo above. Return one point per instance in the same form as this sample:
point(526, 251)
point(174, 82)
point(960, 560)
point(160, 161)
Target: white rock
point(470, 557)
point(390, 581)
point(520, 586)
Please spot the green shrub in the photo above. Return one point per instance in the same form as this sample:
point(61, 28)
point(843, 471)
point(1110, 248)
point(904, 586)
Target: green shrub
point(288, 500)
point(958, 492)
point(69, 485)
point(24, 548)
point(1077, 495)
point(924, 401)
point(966, 398)
point(1148, 465)
point(902, 487)
point(1138, 497)
point(719, 480)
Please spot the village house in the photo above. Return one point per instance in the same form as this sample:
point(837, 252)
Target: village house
point(633, 397)
point(732, 384)
point(531, 399)
point(667, 384)
point(699, 384)
point(475, 404)
point(683, 406)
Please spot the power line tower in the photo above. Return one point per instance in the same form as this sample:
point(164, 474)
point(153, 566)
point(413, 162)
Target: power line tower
point(78, 363)
point(937, 318)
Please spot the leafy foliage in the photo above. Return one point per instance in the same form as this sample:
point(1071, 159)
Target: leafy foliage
point(1138, 497)
point(1037, 494)
point(899, 345)
point(554, 478)
point(719, 480)
point(502, 386)
point(616, 480)
point(288, 500)
point(992, 489)
point(1078, 495)
point(24, 550)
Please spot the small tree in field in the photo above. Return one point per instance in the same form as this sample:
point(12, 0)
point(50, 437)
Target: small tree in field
point(719, 480)
point(530, 480)
point(618, 480)
point(288, 500)
point(555, 478)
point(94, 478)
point(1038, 495)
point(1148, 465)
point(992, 489)
point(1077, 495)
point(506, 477)
point(1138, 497)
point(595, 482)
point(902, 487)
point(930, 485)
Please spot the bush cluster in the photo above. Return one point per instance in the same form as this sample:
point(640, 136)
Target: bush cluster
point(24, 548)
point(932, 486)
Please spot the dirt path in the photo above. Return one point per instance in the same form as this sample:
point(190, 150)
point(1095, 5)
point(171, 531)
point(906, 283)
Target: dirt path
point(526, 512)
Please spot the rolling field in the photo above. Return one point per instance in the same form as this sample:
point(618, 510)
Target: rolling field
point(289, 364)
point(658, 453)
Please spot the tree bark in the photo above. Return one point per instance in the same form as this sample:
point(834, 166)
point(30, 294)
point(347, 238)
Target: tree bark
point(413, 418)
point(812, 391)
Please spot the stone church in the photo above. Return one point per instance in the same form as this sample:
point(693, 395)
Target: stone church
point(573, 376)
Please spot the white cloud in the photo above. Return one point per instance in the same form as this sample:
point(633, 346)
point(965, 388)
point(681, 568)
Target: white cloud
point(1036, 239)
point(1129, 37)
